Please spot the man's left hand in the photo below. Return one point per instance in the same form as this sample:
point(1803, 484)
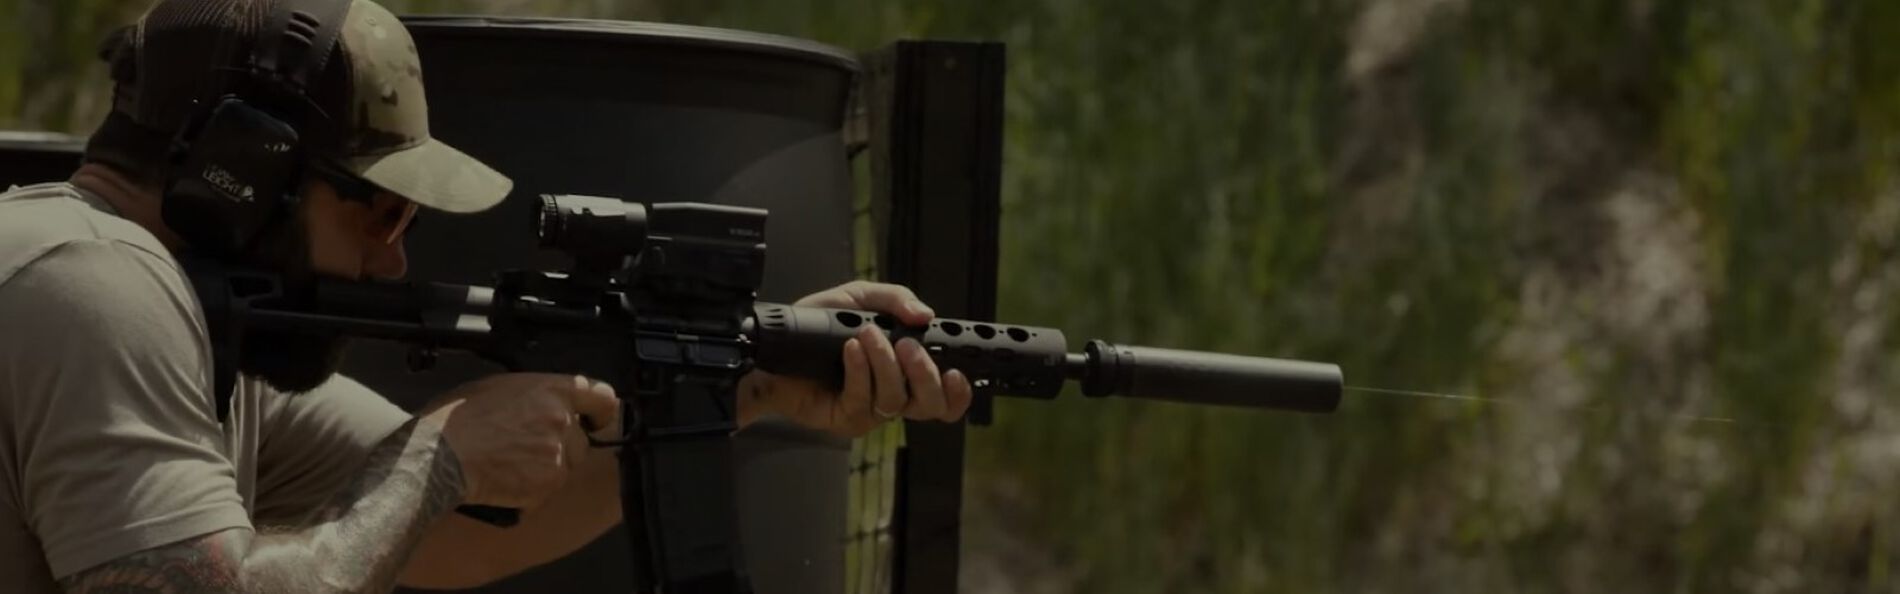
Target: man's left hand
point(882, 381)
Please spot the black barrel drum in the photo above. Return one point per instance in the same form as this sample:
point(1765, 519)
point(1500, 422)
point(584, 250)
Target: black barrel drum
point(650, 113)
point(28, 158)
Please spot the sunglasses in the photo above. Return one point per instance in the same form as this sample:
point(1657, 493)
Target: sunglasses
point(392, 215)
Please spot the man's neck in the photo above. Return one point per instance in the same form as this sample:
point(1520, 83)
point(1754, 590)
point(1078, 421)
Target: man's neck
point(135, 202)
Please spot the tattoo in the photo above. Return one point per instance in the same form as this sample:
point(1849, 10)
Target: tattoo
point(200, 565)
point(358, 541)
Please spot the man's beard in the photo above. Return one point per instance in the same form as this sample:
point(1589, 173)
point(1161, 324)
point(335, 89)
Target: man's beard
point(291, 362)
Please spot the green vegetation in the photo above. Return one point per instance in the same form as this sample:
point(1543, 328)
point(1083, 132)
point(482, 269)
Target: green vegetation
point(1606, 214)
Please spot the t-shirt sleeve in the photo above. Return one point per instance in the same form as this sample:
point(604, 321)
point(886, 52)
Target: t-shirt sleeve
point(315, 443)
point(116, 444)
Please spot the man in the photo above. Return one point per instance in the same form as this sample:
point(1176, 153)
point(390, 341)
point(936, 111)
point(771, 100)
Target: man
point(120, 474)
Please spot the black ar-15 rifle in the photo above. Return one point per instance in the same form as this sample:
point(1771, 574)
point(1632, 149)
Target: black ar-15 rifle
point(661, 304)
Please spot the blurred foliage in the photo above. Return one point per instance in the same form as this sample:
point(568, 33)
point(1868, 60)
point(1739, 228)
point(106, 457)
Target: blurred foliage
point(49, 71)
point(1602, 214)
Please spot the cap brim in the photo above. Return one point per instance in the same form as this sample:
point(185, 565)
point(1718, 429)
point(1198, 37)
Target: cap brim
point(435, 175)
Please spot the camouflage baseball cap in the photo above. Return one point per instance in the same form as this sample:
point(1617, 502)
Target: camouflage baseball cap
point(388, 142)
point(370, 91)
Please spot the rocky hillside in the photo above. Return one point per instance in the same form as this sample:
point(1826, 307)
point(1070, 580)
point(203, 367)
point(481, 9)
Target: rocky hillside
point(1660, 234)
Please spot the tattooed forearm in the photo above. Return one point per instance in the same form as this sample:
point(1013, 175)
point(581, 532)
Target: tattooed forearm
point(201, 565)
point(358, 541)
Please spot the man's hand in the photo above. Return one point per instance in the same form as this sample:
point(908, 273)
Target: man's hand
point(882, 381)
point(516, 434)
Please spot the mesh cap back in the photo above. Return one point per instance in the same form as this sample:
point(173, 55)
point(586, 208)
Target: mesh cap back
point(183, 54)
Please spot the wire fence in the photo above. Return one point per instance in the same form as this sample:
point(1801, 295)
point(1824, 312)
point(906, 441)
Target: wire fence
point(869, 540)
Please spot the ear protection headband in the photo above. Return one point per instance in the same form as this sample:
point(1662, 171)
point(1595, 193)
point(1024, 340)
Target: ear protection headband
point(236, 165)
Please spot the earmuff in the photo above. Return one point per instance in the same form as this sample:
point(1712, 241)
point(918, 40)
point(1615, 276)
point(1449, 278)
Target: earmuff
point(235, 167)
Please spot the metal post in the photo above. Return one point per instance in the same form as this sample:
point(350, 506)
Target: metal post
point(936, 143)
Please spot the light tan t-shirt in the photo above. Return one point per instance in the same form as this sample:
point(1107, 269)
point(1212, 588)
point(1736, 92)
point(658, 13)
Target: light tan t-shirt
point(109, 442)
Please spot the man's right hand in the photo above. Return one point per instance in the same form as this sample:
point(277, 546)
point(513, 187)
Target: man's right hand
point(516, 435)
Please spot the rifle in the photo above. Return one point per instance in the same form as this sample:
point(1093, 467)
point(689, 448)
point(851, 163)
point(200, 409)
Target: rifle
point(660, 303)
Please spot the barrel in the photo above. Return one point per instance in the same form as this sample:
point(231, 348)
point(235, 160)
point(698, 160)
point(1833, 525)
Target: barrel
point(34, 157)
point(653, 113)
